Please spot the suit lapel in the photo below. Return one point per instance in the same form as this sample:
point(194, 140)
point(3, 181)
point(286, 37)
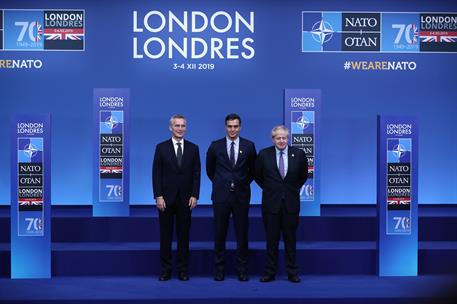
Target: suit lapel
point(241, 152)
point(185, 154)
point(274, 162)
point(224, 146)
point(290, 161)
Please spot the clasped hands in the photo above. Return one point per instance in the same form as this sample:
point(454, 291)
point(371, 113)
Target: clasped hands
point(161, 205)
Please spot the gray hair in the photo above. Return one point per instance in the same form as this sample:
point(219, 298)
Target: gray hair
point(176, 116)
point(278, 128)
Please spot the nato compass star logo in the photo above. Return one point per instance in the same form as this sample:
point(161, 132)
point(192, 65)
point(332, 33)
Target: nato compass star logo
point(322, 31)
point(399, 151)
point(302, 122)
point(30, 150)
point(111, 122)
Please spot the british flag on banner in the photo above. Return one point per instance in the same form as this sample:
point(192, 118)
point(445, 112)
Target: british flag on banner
point(64, 34)
point(110, 172)
point(438, 32)
point(310, 171)
point(110, 169)
point(64, 30)
point(30, 204)
point(398, 203)
point(438, 36)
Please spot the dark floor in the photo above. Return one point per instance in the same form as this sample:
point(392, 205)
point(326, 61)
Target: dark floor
point(311, 289)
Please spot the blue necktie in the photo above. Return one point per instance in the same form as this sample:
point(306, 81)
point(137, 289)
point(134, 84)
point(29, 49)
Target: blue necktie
point(282, 171)
point(232, 154)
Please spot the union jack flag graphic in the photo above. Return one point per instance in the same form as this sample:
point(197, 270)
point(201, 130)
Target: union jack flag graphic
point(415, 34)
point(399, 200)
point(39, 33)
point(31, 202)
point(64, 34)
point(438, 36)
point(110, 169)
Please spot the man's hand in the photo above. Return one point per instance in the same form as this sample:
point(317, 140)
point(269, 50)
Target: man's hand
point(160, 202)
point(192, 202)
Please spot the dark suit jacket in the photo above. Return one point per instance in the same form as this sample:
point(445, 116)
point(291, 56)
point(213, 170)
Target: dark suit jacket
point(168, 180)
point(274, 187)
point(221, 173)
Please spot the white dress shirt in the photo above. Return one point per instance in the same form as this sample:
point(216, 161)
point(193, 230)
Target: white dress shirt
point(236, 147)
point(176, 146)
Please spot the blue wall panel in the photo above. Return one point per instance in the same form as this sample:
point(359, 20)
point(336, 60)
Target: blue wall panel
point(253, 88)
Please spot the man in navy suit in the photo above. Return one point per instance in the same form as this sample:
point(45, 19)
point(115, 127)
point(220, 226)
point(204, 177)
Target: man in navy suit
point(176, 182)
point(230, 164)
point(281, 171)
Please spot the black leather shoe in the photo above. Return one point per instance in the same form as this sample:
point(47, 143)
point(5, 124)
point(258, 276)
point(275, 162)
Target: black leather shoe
point(294, 278)
point(219, 276)
point(243, 277)
point(165, 276)
point(183, 276)
point(267, 278)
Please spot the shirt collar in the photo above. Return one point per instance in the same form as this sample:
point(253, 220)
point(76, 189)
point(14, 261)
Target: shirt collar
point(175, 141)
point(286, 149)
point(236, 141)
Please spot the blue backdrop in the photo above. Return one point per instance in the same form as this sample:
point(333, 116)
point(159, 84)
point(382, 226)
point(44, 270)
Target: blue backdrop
point(253, 88)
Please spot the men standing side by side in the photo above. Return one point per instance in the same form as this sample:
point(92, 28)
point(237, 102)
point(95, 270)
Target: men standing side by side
point(176, 183)
point(281, 171)
point(230, 165)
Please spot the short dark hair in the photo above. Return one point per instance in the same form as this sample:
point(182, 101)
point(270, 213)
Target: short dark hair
point(232, 116)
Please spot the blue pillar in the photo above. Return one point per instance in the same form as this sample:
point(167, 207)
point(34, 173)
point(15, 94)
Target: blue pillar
point(111, 155)
point(31, 196)
point(397, 198)
point(302, 116)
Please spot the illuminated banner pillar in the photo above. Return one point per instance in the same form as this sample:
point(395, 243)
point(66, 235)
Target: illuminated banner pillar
point(302, 116)
point(397, 195)
point(31, 196)
point(111, 140)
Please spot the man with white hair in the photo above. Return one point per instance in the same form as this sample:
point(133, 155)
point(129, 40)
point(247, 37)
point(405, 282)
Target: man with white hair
point(281, 170)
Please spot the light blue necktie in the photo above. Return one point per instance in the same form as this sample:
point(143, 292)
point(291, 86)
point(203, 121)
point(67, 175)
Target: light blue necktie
point(281, 165)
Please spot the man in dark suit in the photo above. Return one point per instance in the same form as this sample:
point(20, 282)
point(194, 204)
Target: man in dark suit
point(230, 164)
point(176, 182)
point(281, 171)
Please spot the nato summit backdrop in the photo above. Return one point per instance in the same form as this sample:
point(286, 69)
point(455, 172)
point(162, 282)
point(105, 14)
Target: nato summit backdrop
point(205, 59)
